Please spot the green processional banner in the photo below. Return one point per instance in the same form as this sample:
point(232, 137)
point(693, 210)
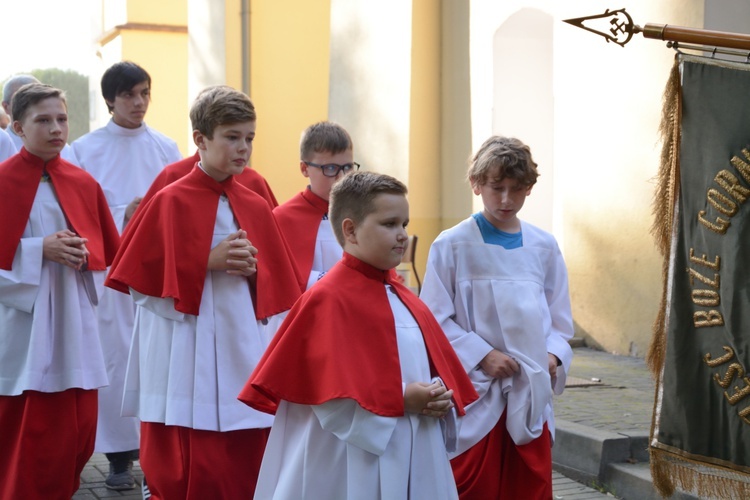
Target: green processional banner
point(701, 349)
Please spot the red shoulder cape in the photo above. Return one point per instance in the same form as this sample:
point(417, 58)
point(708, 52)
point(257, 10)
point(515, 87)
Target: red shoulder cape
point(80, 196)
point(339, 341)
point(249, 178)
point(299, 220)
point(164, 252)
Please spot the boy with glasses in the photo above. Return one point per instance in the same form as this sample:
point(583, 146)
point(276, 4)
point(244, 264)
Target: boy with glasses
point(326, 155)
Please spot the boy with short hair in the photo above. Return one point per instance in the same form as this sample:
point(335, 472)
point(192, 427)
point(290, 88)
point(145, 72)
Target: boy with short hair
point(499, 288)
point(250, 178)
point(326, 155)
point(57, 231)
point(124, 156)
point(203, 300)
point(11, 86)
point(360, 373)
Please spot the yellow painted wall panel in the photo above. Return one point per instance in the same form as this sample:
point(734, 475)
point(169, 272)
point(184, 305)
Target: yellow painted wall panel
point(233, 42)
point(158, 12)
point(424, 129)
point(167, 65)
point(289, 66)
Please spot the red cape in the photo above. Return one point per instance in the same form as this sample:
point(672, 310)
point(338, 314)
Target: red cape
point(339, 341)
point(249, 178)
point(299, 220)
point(164, 252)
point(80, 196)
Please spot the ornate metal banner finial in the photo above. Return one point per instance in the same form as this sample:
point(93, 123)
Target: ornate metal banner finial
point(615, 26)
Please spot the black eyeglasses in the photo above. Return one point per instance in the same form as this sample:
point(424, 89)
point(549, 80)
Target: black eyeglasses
point(332, 169)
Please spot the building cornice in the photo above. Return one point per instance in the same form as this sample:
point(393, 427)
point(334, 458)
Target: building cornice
point(110, 35)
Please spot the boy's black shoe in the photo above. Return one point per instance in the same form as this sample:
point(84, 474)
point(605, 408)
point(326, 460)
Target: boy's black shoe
point(120, 473)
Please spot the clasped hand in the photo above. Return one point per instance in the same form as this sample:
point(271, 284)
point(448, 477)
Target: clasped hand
point(235, 255)
point(66, 248)
point(432, 400)
point(497, 364)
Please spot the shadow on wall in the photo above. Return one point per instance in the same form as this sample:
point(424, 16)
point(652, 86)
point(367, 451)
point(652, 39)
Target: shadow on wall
point(357, 103)
point(615, 282)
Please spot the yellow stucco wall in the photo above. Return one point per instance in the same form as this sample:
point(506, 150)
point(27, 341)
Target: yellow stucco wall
point(603, 172)
point(154, 35)
point(233, 42)
point(168, 111)
point(172, 12)
point(289, 66)
point(424, 128)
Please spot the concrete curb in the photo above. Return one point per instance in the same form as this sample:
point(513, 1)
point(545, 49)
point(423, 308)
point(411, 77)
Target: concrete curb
point(615, 462)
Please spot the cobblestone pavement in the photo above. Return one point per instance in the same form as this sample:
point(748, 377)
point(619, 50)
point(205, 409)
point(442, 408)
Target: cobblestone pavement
point(605, 391)
point(608, 392)
point(92, 481)
point(92, 485)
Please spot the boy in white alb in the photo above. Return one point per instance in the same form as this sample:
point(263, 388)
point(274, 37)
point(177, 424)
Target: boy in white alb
point(57, 232)
point(125, 156)
point(206, 310)
point(360, 375)
point(326, 155)
point(499, 288)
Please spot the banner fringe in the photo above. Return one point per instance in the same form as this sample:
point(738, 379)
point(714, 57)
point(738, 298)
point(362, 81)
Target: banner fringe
point(665, 197)
point(669, 471)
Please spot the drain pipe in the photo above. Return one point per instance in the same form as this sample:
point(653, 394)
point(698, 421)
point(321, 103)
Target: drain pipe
point(245, 13)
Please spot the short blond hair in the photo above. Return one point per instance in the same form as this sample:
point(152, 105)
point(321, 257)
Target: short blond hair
point(30, 94)
point(500, 158)
point(353, 197)
point(220, 105)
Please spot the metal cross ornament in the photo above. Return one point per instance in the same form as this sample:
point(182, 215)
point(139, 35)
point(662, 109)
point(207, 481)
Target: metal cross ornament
point(615, 26)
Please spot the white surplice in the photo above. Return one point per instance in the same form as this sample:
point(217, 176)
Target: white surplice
point(125, 162)
point(7, 148)
point(340, 451)
point(328, 251)
point(48, 324)
point(187, 370)
point(516, 301)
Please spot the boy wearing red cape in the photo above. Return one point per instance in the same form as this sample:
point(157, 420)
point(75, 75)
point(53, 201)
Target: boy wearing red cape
point(211, 274)
point(57, 232)
point(326, 155)
point(250, 178)
point(363, 382)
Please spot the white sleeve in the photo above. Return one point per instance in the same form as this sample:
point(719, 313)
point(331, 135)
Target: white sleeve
point(118, 214)
point(269, 326)
point(7, 148)
point(561, 331)
point(439, 292)
point(19, 285)
point(173, 154)
point(351, 423)
point(69, 154)
point(163, 307)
